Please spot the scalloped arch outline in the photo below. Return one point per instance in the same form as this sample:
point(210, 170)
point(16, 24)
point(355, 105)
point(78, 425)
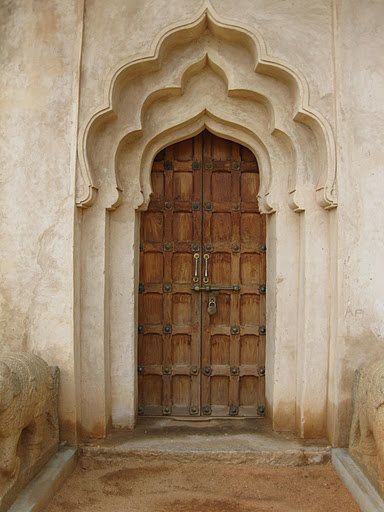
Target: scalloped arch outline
point(264, 64)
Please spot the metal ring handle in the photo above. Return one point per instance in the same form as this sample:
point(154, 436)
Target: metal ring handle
point(196, 274)
point(206, 278)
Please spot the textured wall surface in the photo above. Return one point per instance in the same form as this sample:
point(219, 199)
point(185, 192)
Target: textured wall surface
point(360, 125)
point(39, 60)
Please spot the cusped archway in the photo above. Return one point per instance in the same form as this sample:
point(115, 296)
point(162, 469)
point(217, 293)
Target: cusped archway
point(207, 74)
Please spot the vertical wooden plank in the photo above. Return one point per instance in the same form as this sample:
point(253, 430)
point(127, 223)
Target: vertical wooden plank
point(169, 310)
point(197, 169)
point(206, 242)
point(168, 249)
point(235, 278)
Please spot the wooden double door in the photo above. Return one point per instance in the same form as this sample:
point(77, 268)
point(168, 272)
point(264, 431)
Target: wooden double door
point(202, 283)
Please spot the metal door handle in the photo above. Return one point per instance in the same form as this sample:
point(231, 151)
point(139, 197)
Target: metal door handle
point(196, 274)
point(205, 278)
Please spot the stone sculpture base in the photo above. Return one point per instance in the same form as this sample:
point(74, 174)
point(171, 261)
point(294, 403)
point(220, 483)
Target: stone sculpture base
point(29, 433)
point(27, 473)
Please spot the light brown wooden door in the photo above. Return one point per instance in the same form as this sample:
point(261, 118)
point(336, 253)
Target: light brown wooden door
point(202, 283)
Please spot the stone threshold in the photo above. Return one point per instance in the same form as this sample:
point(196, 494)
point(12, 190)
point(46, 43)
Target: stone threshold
point(247, 440)
point(41, 489)
point(353, 477)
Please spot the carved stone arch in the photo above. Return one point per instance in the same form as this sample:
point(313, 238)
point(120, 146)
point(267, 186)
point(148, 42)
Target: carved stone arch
point(267, 110)
point(263, 65)
point(219, 110)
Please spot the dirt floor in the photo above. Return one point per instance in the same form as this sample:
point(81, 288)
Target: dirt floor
point(146, 486)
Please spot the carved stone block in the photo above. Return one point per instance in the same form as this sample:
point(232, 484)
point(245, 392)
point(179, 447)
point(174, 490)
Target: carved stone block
point(29, 432)
point(366, 441)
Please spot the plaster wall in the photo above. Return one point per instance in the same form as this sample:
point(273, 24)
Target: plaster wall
point(359, 36)
point(39, 59)
point(337, 46)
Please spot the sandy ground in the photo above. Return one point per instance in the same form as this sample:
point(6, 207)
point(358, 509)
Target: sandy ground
point(143, 486)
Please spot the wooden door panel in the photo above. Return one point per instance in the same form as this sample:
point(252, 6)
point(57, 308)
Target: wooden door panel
point(203, 203)
point(233, 232)
point(170, 319)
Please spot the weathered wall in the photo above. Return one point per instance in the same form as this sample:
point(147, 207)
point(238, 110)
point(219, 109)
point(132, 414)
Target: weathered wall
point(359, 35)
point(40, 50)
point(38, 80)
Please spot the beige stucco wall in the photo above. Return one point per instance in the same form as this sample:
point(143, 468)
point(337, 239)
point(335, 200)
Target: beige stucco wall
point(360, 126)
point(336, 46)
point(38, 82)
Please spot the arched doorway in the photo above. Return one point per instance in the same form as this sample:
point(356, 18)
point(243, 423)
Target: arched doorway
point(202, 283)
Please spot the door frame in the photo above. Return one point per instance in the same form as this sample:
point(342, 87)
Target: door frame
point(281, 371)
point(295, 348)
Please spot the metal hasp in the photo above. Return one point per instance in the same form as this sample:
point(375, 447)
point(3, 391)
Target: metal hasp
point(215, 287)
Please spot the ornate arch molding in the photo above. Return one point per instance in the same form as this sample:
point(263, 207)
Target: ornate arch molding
point(263, 66)
point(245, 118)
